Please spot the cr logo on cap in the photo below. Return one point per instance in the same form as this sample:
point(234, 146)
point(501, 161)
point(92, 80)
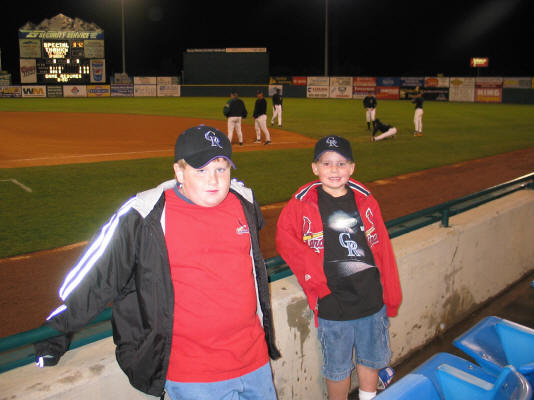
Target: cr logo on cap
point(213, 138)
point(332, 142)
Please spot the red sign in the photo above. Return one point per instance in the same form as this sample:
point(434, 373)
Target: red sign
point(300, 80)
point(478, 62)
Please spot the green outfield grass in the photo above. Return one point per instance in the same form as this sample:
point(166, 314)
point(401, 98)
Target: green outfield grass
point(68, 203)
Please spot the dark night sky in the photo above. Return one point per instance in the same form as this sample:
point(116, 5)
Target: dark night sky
point(366, 37)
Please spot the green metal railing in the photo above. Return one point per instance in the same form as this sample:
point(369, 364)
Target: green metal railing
point(17, 350)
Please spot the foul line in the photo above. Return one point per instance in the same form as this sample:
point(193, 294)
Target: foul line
point(24, 187)
point(92, 155)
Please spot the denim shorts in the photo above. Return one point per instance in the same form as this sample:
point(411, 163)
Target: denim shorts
point(256, 385)
point(368, 336)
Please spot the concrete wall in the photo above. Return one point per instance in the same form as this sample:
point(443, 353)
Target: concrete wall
point(445, 273)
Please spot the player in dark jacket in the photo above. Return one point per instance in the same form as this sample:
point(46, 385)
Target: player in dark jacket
point(277, 107)
point(260, 118)
point(369, 103)
point(418, 114)
point(387, 131)
point(235, 110)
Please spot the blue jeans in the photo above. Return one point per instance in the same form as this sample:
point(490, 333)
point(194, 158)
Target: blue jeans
point(256, 385)
point(368, 336)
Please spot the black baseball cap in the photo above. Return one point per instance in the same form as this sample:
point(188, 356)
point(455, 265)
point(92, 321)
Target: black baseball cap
point(333, 143)
point(201, 144)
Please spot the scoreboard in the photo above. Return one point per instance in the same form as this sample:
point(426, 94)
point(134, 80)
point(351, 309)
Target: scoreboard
point(48, 57)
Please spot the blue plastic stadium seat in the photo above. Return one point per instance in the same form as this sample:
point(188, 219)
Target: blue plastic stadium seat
point(448, 377)
point(495, 342)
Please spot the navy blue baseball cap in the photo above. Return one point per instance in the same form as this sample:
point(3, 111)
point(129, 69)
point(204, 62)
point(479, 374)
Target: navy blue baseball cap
point(333, 143)
point(200, 145)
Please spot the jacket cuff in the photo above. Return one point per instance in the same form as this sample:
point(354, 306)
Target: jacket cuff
point(392, 310)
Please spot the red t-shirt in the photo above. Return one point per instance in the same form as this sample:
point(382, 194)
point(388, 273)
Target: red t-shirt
point(217, 334)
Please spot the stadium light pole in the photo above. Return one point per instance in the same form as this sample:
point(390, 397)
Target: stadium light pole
point(325, 37)
point(123, 43)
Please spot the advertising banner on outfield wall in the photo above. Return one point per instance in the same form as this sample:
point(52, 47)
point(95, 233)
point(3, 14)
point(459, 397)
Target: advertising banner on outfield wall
point(167, 80)
point(387, 81)
point(169, 90)
point(10, 91)
point(340, 87)
point(408, 93)
point(462, 82)
point(145, 90)
point(360, 81)
point(54, 91)
point(462, 89)
point(122, 90)
point(488, 82)
point(437, 94)
point(317, 92)
point(145, 80)
point(488, 94)
point(280, 80)
point(5, 79)
point(341, 92)
point(98, 91)
point(360, 92)
point(387, 92)
point(412, 82)
point(517, 83)
point(300, 81)
point(318, 81)
point(74, 91)
point(98, 71)
point(30, 48)
point(28, 71)
point(437, 81)
point(462, 93)
point(34, 91)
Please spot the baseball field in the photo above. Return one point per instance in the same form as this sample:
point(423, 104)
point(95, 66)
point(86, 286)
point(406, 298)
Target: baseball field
point(67, 164)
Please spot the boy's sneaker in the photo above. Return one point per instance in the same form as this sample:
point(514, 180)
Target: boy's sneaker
point(267, 142)
point(257, 141)
point(385, 375)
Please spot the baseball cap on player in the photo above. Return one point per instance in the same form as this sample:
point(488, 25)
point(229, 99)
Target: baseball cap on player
point(201, 144)
point(333, 143)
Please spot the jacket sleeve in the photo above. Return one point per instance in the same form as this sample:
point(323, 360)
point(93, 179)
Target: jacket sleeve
point(386, 263)
point(104, 271)
point(306, 264)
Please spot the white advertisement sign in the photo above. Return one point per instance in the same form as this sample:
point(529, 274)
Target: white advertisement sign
point(341, 92)
point(28, 71)
point(145, 90)
point(145, 80)
point(74, 91)
point(317, 92)
point(318, 81)
point(462, 93)
point(341, 81)
point(169, 90)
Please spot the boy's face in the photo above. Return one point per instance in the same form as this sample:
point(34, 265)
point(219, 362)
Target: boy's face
point(207, 186)
point(334, 172)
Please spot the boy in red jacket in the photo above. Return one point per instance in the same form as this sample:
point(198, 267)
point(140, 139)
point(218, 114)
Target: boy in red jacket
point(332, 236)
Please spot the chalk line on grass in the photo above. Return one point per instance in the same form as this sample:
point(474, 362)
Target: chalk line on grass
point(24, 187)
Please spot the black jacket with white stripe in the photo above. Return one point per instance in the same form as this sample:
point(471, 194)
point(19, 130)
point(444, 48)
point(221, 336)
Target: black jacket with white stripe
point(127, 265)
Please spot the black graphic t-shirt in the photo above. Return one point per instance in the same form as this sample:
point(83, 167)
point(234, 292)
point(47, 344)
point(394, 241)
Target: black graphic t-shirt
point(349, 264)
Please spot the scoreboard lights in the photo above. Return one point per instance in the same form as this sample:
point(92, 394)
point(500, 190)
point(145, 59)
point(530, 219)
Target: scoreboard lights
point(56, 49)
point(478, 62)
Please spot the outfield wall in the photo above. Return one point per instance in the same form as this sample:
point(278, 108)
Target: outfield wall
point(457, 89)
point(445, 274)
